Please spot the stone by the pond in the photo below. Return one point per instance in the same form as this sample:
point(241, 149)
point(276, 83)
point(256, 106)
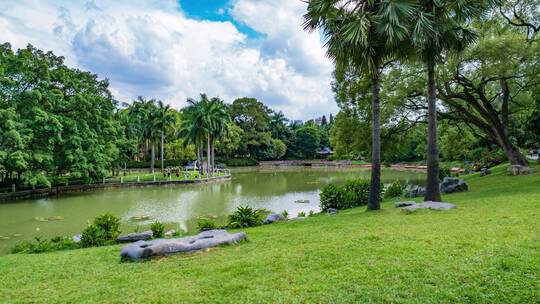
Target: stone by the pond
point(274, 217)
point(76, 238)
point(452, 184)
point(485, 171)
point(162, 247)
point(519, 170)
point(404, 204)
point(331, 211)
point(135, 236)
point(429, 205)
point(416, 191)
point(302, 201)
point(3, 238)
point(170, 232)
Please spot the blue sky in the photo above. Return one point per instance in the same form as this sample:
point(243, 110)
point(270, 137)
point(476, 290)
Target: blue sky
point(175, 49)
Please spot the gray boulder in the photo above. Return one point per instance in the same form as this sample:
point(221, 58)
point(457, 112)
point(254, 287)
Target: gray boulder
point(429, 205)
point(485, 171)
point(134, 237)
point(452, 184)
point(76, 238)
point(274, 217)
point(331, 211)
point(404, 204)
point(416, 191)
point(163, 247)
point(519, 170)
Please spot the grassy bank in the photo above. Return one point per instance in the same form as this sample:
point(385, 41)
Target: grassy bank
point(485, 251)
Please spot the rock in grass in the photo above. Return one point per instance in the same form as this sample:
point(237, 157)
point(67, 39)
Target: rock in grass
point(485, 171)
point(416, 191)
point(331, 211)
point(274, 217)
point(76, 238)
point(404, 204)
point(429, 205)
point(163, 247)
point(136, 236)
point(452, 184)
point(519, 170)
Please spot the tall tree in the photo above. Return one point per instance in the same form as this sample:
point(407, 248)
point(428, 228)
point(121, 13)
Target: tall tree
point(363, 35)
point(163, 119)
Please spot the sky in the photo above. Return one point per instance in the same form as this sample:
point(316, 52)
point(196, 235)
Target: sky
point(171, 50)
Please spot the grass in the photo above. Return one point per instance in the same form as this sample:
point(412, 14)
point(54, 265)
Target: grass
point(148, 177)
point(485, 251)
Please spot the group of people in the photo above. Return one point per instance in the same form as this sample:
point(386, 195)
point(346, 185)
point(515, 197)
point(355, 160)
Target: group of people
point(172, 170)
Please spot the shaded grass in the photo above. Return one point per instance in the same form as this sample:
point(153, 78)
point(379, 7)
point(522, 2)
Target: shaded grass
point(485, 251)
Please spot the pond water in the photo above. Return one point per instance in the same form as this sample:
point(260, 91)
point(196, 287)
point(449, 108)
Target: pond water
point(180, 206)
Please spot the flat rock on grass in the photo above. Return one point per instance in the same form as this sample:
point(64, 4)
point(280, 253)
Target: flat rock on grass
point(429, 205)
point(163, 247)
point(274, 217)
point(133, 237)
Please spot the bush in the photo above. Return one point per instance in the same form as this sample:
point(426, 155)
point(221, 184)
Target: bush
point(204, 224)
point(93, 236)
point(394, 190)
point(353, 194)
point(444, 171)
point(285, 213)
point(105, 229)
point(241, 162)
point(245, 217)
point(158, 229)
point(301, 214)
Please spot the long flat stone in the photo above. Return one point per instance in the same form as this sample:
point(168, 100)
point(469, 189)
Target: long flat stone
point(429, 205)
point(163, 247)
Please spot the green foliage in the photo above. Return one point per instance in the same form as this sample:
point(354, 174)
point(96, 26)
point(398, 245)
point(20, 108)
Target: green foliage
point(42, 245)
point(301, 214)
point(444, 171)
point(167, 163)
point(394, 190)
point(285, 214)
point(158, 229)
point(103, 230)
point(353, 194)
point(204, 224)
point(245, 217)
point(241, 162)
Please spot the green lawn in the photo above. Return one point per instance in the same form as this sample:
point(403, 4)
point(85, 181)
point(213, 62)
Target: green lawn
point(148, 177)
point(485, 251)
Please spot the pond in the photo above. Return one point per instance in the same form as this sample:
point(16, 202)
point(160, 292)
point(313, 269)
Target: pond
point(180, 206)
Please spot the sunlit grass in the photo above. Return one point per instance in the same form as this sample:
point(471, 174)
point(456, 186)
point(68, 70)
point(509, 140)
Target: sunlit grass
point(485, 251)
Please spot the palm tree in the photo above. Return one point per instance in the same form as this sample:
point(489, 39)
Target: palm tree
point(218, 119)
point(439, 29)
point(191, 128)
point(163, 119)
point(362, 35)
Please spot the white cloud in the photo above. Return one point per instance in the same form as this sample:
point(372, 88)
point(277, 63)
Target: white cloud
point(151, 48)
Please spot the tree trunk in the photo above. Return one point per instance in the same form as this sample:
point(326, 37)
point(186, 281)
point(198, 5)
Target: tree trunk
point(208, 155)
point(432, 182)
point(213, 155)
point(162, 142)
point(152, 157)
point(199, 165)
point(374, 202)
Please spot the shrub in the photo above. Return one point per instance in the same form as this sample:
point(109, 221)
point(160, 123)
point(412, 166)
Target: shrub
point(311, 213)
point(110, 225)
point(103, 230)
point(394, 190)
point(93, 236)
point(285, 213)
point(444, 171)
point(245, 217)
point(354, 193)
point(158, 229)
point(241, 162)
point(301, 214)
point(204, 224)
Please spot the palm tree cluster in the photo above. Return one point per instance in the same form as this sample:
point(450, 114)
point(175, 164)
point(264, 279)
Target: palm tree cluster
point(204, 121)
point(149, 122)
point(369, 36)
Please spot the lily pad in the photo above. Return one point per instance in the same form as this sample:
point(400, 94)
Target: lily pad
point(140, 217)
point(55, 218)
point(302, 201)
point(17, 235)
point(40, 219)
point(3, 238)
